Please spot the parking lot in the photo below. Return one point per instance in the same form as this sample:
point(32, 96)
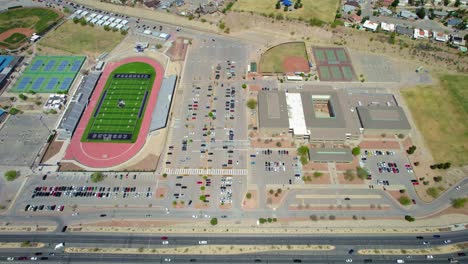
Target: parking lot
point(22, 136)
point(275, 166)
point(388, 167)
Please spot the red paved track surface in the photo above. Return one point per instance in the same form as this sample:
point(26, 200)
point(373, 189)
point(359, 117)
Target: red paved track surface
point(101, 154)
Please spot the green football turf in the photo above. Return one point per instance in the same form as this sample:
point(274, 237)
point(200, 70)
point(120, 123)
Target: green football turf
point(110, 118)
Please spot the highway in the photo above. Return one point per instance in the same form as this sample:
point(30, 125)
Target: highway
point(136, 240)
point(343, 244)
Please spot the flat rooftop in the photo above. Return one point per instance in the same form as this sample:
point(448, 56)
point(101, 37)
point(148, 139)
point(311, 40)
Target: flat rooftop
point(383, 117)
point(272, 110)
point(330, 155)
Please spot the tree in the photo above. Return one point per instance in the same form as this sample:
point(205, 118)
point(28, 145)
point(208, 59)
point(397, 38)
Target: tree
point(446, 165)
point(278, 5)
point(248, 195)
point(438, 178)
point(97, 176)
point(361, 173)
point(244, 86)
point(364, 19)
point(433, 192)
point(13, 111)
point(252, 104)
point(409, 218)
point(349, 175)
point(356, 151)
point(202, 197)
point(457, 3)
point(11, 175)
point(421, 12)
point(317, 174)
point(404, 200)
point(459, 202)
point(76, 20)
point(395, 3)
point(303, 150)
point(359, 12)
point(446, 2)
point(286, 8)
point(214, 221)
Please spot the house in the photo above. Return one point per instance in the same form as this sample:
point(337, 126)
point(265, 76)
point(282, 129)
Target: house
point(385, 11)
point(370, 25)
point(457, 41)
point(3, 115)
point(420, 33)
point(440, 14)
point(387, 27)
point(454, 21)
point(348, 9)
point(440, 36)
point(352, 3)
point(152, 3)
point(387, 3)
point(354, 18)
point(402, 30)
point(408, 14)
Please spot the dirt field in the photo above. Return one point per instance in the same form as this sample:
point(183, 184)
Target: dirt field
point(11, 39)
point(323, 10)
point(440, 113)
point(78, 39)
point(287, 57)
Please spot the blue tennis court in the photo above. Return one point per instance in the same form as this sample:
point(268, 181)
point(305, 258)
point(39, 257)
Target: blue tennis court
point(65, 84)
point(37, 64)
point(49, 74)
point(52, 83)
point(37, 83)
point(50, 65)
point(24, 83)
point(76, 65)
point(62, 66)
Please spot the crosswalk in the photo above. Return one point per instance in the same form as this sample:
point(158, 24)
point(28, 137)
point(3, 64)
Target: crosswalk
point(235, 172)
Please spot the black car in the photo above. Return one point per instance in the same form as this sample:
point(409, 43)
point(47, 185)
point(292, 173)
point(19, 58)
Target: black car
point(44, 177)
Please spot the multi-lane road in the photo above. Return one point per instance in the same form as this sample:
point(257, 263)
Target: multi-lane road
point(343, 244)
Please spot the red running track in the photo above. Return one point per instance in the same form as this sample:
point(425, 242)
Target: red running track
point(103, 154)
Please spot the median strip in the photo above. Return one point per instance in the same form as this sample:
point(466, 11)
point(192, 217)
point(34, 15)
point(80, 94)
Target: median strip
point(26, 244)
point(206, 249)
point(446, 249)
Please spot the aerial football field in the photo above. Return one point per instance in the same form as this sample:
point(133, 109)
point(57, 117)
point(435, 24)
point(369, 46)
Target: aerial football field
point(121, 107)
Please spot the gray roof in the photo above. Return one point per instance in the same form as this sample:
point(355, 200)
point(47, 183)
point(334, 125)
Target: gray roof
point(404, 30)
point(407, 14)
point(382, 117)
point(440, 13)
point(330, 154)
point(272, 110)
point(313, 121)
point(163, 105)
point(75, 109)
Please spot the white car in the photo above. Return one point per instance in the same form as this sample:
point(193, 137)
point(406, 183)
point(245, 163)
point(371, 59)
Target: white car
point(33, 258)
point(429, 257)
point(447, 241)
point(203, 242)
point(167, 260)
point(10, 258)
point(165, 242)
point(349, 260)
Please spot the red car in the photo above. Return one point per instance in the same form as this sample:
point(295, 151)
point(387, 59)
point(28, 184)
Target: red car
point(199, 182)
point(164, 238)
point(415, 183)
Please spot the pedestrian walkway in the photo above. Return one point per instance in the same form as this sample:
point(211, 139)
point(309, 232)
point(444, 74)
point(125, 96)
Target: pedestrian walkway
point(235, 172)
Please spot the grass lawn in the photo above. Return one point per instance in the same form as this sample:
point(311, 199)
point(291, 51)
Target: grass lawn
point(441, 114)
point(272, 59)
point(14, 38)
point(121, 122)
point(78, 39)
point(323, 10)
point(37, 18)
